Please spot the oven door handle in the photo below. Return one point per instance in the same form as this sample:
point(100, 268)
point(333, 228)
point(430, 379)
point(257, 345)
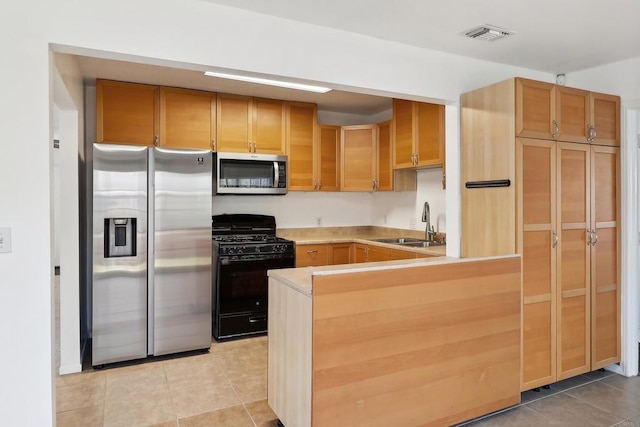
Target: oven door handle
point(256, 319)
point(276, 175)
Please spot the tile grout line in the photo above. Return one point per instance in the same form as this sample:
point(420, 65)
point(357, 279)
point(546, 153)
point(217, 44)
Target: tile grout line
point(224, 372)
point(173, 404)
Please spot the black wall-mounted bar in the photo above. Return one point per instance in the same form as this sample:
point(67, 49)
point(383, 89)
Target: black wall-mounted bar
point(488, 184)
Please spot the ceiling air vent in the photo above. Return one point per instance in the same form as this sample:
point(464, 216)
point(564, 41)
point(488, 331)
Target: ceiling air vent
point(488, 32)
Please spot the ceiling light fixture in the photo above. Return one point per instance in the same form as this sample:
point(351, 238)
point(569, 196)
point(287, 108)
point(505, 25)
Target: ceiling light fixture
point(488, 33)
point(259, 80)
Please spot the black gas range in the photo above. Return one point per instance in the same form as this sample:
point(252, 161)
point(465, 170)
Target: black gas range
point(244, 248)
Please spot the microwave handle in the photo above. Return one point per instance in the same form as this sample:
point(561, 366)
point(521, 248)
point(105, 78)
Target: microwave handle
point(276, 175)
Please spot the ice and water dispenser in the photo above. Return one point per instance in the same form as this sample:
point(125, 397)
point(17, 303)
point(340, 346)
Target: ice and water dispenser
point(119, 237)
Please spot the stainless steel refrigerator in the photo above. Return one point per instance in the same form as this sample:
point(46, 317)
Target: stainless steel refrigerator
point(151, 280)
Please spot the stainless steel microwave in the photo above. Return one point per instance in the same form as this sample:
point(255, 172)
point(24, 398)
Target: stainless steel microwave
point(248, 173)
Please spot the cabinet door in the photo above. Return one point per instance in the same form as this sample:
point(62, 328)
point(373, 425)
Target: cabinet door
point(358, 158)
point(403, 133)
point(572, 114)
point(385, 162)
point(312, 255)
point(573, 275)
point(429, 141)
point(187, 118)
point(377, 253)
point(329, 158)
point(340, 253)
point(396, 254)
point(301, 124)
point(360, 253)
point(605, 257)
point(535, 109)
point(605, 118)
point(126, 113)
point(268, 131)
point(536, 179)
point(234, 123)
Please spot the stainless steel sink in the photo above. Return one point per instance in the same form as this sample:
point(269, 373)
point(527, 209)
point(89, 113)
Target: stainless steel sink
point(398, 240)
point(422, 244)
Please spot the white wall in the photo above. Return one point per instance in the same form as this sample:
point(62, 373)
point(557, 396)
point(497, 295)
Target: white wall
point(192, 32)
point(301, 209)
point(68, 96)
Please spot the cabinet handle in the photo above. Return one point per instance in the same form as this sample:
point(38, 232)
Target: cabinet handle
point(594, 238)
point(589, 235)
point(556, 129)
point(417, 159)
point(254, 146)
point(373, 184)
point(249, 142)
point(444, 181)
point(555, 239)
point(213, 145)
point(592, 133)
point(156, 140)
point(311, 251)
point(319, 184)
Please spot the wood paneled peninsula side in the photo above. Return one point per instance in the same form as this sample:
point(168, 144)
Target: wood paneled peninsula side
point(415, 342)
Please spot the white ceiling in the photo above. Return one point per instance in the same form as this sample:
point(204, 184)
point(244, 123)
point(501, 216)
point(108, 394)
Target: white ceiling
point(556, 36)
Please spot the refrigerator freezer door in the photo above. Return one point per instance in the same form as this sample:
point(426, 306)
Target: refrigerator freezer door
point(119, 264)
point(182, 247)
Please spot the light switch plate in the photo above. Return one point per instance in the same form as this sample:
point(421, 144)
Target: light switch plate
point(5, 239)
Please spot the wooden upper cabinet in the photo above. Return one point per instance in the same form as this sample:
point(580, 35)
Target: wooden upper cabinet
point(234, 131)
point(572, 114)
point(403, 131)
point(358, 158)
point(127, 113)
point(385, 158)
point(418, 134)
point(605, 119)
point(187, 118)
point(268, 131)
point(328, 165)
point(301, 145)
point(430, 139)
point(535, 109)
point(547, 111)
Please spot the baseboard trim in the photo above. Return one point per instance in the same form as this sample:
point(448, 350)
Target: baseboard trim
point(69, 369)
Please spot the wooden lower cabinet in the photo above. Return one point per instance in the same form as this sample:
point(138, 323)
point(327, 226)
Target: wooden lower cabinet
point(431, 345)
point(312, 255)
point(340, 253)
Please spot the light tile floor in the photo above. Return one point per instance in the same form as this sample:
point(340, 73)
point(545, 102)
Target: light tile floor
point(226, 387)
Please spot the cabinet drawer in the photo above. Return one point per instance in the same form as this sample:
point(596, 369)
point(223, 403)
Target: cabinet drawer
point(312, 255)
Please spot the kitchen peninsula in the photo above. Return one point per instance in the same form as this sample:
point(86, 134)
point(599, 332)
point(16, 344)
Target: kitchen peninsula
point(431, 341)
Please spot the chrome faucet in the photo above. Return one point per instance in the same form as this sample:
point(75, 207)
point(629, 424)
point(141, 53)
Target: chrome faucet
point(429, 233)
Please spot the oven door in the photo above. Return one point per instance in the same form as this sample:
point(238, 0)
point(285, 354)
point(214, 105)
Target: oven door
point(241, 294)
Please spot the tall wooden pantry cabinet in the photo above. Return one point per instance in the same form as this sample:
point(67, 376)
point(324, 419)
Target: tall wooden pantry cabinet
point(541, 177)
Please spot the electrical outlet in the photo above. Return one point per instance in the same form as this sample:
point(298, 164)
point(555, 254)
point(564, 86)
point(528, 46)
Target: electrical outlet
point(5, 239)
point(318, 221)
point(412, 223)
